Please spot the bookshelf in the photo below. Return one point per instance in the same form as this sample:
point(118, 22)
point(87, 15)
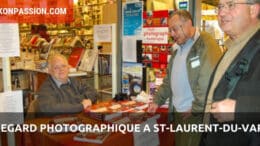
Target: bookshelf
point(105, 69)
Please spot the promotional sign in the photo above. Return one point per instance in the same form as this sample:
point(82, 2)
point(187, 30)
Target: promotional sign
point(132, 18)
point(155, 35)
point(40, 11)
point(156, 40)
point(9, 40)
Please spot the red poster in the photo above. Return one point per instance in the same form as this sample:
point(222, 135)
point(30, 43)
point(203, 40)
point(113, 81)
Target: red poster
point(36, 11)
point(155, 54)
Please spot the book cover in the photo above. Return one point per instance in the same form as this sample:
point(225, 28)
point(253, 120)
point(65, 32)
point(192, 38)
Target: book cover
point(132, 78)
point(92, 137)
point(63, 121)
point(108, 111)
point(88, 60)
point(75, 57)
point(104, 111)
point(105, 64)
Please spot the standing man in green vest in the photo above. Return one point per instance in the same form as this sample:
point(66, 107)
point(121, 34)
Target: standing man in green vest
point(194, 57)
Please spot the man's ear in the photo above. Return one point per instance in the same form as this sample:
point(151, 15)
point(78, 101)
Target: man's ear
point(189, 22)
point(254, 10)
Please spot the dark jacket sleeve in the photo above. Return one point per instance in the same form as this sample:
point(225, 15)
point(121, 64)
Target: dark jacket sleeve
point(248, 94)
point(88, 92)
point(50, 100)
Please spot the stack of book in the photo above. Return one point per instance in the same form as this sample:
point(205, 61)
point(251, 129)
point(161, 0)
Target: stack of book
point(61, 121)
point(108, 111)
point(92, 137)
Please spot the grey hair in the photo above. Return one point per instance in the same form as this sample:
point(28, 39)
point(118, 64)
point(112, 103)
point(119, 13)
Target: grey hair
point(183, 14)
point(255, 2)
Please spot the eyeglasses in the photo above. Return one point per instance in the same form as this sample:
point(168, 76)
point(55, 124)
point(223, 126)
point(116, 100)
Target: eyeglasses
point(60, 67)
point(230, 6)
point(175, 28)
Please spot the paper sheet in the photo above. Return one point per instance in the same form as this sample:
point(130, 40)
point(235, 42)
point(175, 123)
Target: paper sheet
point(9, 40)
point(11, 109)
point(103, 33)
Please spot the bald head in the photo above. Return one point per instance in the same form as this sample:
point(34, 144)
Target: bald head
point(58, 67)
point(183, 14)
point(55, 57)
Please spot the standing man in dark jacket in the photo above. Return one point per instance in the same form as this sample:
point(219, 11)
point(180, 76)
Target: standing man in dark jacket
point(234, 93)
point(61, 94)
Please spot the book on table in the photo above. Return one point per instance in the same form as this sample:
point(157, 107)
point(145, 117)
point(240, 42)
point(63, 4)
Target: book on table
point(92, 137)
point(107, 111)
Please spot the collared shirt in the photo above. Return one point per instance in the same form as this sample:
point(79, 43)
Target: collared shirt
point(182, 93)
point(234, 47)
point(58, 83)
point(242, 40)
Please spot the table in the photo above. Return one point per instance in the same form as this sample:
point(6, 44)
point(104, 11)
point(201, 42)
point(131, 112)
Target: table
point(66, 139)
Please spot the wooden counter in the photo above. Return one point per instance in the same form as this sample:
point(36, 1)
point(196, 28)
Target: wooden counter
point(66, 139)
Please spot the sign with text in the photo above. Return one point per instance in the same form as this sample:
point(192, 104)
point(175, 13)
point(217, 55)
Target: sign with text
point(103, 33)
point(156, 40)
point(36, 11)
point(9, 40)
point(132, 18)
point(155, 35)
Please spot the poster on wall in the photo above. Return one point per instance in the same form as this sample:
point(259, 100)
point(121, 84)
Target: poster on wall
point(132, 29)
point(156, 46)
point(156, 40)
point(155, 35)
point(129, 48)
point(132, 77)
point(9, 40)
point(132, 18)
point(102, 33)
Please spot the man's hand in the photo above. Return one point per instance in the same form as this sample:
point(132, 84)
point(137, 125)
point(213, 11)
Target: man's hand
point(152, 108)
point(224, 110)
point(86, 103)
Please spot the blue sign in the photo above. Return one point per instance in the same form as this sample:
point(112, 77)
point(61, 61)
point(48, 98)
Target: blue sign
point(132, 18)
point(183, 5)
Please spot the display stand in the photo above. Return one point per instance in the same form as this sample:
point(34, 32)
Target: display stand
point(106, 47)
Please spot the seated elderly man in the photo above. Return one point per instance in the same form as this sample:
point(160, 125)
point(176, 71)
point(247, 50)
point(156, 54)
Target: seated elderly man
point(61, 94)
